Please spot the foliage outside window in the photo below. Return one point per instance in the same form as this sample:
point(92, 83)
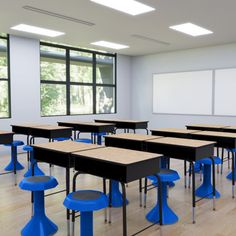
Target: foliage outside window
point(4, 78)
point(76, 81)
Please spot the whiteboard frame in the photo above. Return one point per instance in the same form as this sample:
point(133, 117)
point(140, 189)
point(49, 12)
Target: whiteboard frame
point(187, 114)
point(213, 92)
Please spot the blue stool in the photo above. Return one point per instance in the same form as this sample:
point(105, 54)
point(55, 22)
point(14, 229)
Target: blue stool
point(14, 145)
point(99, 137)
point(60, 139)
point(165, 165)
point(168, 217)
point(37, 170)
point(85, 201)
point(116, 196)
point(39, 224)
point(229, 176)
point(206, 189)
point(83, 140)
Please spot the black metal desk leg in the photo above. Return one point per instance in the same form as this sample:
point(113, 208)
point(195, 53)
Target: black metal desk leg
point(13, 153)
point(193, 191)
point(110, 201)
point(222, 160)
point(67, 192)
point(217, 154)
point(105, 192)
point(233, 173)
point(124, 210)
point(140, 193)
point(214, 182)
point(185, 173)
point(147, 131)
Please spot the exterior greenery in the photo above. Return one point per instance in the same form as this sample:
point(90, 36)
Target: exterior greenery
point(75, 81)
point(4, 80)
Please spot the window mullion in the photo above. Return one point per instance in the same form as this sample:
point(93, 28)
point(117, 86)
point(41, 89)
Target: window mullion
point(94, 84)
point(67, 81)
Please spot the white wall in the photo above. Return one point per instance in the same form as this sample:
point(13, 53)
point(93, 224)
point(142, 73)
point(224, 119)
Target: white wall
point(25, 87)
point(144, 67)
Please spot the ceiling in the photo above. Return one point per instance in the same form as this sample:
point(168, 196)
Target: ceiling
point(110, 25)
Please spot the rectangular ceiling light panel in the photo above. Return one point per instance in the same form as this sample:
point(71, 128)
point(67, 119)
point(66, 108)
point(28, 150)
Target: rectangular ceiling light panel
point(107, 44)
point(191, 29)
point(37, 30)
point(131, 7)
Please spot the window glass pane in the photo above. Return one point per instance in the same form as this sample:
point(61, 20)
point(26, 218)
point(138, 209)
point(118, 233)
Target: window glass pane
point(3, 59)
point(81, 99)
point(104, 70)
point(81, 67)
point(4, 102)
point(53, 99)
point(105, 99)
point(53, 63)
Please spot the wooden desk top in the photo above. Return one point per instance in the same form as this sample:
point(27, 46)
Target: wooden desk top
point(86, 123)
point(216, 134)
point(207, 125)
point(118, 155)
point(50, 127)
point(67, 146)
point(130, 136)
point(175, 130)
point(122, 121)
point(3, 132)
point(230, 127)
point(181, 142)
point(29, 125)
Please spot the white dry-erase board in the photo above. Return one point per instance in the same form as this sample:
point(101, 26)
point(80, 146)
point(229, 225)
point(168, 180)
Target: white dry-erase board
point(183, 93)
point(225, 92)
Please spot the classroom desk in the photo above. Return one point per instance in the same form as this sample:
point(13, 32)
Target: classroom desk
point(230, 129)
point(88, 127)
point(128, 140)
point(185, 149)
point(118, 164)
point(6, 137)
point(59, 153)
point(127, 124)
point(173, 132)
point(41, 131)
point(207, 127)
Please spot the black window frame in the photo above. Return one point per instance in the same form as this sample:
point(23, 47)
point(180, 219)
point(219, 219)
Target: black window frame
point(8, 79)
point(68, 82)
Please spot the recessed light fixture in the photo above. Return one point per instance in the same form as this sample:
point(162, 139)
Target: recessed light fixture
point(37, 30)
point(110, 45)
point(131, 7)
point(191, 29)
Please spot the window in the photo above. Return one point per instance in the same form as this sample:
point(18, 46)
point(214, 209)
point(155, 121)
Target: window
point(76, 81)
point(4, 77)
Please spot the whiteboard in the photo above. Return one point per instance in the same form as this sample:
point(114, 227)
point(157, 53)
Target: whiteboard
point(225, 92)
point(183, 93)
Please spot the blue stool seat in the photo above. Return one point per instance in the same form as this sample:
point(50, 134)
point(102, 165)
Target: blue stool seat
point(206, 188)
point(38, 183)
point(14, 145)
point(60, 139)
point(86, 201)
point(168, 217)
point(83, 140)
point(39, 224)
point(37, 170)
